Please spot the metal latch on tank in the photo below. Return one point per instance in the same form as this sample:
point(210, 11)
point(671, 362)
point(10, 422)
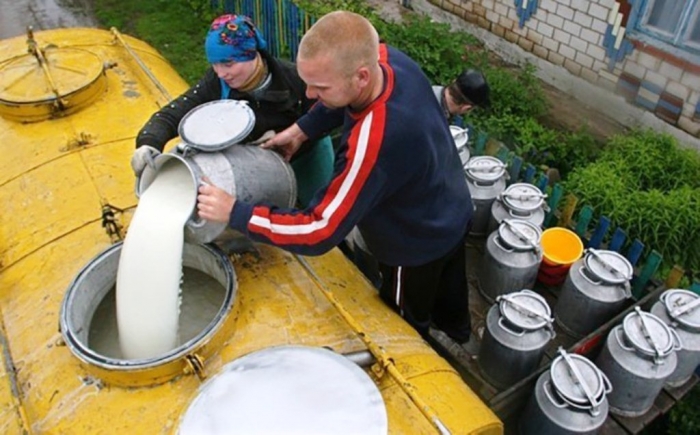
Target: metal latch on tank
point(110, 223)
point(195, 365)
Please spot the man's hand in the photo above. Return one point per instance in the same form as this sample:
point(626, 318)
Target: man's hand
point(214, 204)
point(287, 142)
point(144, 155)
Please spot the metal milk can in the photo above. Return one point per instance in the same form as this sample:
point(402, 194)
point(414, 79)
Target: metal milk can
point(519, 201)
point(596, 289)
point(486, 178)
point(518, 327)
point(638, 356)
point(569, 398)
point(461, 138)
point(680, 309)
point(511, 259)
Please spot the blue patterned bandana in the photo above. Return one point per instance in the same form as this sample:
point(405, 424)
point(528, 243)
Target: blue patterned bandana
point(233, 38)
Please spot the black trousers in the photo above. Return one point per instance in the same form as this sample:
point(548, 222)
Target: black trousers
point(435, 292)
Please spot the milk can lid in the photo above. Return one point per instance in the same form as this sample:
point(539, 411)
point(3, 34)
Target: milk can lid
point(520, 235)
point(523, 197)
point(525, 310)
point(608, 266)
point(577, 380)
point(217, 125)
point(683, 306)
point(460, 135)
point(485, 169)
point(308, 390)
point(648, 334)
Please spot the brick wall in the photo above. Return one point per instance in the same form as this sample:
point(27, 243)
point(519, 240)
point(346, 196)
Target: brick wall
point(571, 34)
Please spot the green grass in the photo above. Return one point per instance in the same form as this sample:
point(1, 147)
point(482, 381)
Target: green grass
point(176, 28)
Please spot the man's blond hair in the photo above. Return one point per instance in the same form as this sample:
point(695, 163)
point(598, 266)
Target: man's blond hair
point(347, 37)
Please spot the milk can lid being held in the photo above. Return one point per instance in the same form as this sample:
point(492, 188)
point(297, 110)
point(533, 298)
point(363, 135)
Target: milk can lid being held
point(578, 381)
point(608, 266)
point(520, 235)
point(525, 310)
point(216, 125)
point(523, 197)
point(485, 169)
point(648, 334)
point(683, 306)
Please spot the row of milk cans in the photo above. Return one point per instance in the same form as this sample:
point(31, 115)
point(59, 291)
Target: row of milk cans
point(641, 355)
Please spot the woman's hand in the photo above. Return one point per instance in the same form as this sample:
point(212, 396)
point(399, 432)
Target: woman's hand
point(213, 203)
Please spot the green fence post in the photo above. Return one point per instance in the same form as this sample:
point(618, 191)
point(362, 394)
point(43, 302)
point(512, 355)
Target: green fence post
point(650, 267)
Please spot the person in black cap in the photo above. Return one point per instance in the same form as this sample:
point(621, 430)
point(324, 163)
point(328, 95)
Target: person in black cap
point(470, 89)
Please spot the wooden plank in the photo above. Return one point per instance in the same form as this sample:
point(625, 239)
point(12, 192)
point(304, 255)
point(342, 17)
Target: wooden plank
point(674, 276)
point(568, 210)
point(529, 173)
point(514, 169)
point(650, 267)
point(599, 232)
point(554, 199)
point(584, 218)
point(542, 182)
point(618, 239)
point(502, 154)
point(695, 287)
point(480, 143)
point(635, 252)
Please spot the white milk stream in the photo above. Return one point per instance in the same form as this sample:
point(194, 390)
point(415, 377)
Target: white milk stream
point(150, 265)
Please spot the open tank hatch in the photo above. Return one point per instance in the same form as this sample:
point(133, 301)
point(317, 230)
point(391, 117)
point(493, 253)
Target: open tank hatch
point(89, 328)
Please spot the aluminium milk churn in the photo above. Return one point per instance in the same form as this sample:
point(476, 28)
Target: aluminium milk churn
point(486, 179)
point(461, 138)
point(596, 289)
point(638, 356)
point(518, 327)
point(569, 398)
point(211, 135)
point(680, 309)
point(511, 259)
point(522, 201)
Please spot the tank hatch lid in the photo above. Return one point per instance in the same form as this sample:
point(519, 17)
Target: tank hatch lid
point(216, 125)
point(523, 197)
point(287, 389)
point(49, 82)
point(683, 306)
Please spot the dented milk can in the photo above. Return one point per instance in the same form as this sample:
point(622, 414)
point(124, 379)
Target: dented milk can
point(211, 134)
point(569, 398)
point(518, 327)
point(596, 289)
point(638, 357)
point(680, 309)
point(511, 259)
point(486, 179)
point(519, 201)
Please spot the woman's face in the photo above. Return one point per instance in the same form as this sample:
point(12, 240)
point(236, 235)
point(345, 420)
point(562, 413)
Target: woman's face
point(235, 74)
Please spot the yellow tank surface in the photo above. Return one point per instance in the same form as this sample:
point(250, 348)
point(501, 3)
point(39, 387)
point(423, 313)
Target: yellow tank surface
point(71, 103)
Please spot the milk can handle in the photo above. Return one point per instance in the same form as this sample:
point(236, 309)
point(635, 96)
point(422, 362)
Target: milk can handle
point(546, 388)
point(508, 330)
point(621, 341)
point(677, 341)
point(496, 241)
point(586, 277)
point(517, 216)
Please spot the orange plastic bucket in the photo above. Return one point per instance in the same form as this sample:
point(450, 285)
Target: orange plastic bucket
point(561, 247)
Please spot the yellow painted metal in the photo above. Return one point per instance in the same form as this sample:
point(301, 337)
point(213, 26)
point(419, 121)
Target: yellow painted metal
point(55, 177)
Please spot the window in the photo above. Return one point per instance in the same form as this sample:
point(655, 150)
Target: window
point(676, 22)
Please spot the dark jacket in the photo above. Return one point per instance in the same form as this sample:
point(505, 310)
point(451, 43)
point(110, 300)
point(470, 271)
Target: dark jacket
point(278, 107)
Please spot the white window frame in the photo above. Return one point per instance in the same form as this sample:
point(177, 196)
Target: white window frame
point(678, 42)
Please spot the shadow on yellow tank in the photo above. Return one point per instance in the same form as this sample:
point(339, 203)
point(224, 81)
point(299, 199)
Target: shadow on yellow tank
point(71, 103)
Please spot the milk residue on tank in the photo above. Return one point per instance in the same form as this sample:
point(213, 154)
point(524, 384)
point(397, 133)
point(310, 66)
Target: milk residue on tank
point(150, 265)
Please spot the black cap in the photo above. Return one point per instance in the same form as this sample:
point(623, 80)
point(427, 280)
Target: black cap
point(472, 84)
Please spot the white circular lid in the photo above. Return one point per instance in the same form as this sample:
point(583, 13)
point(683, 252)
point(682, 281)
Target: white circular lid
point(683, 307)
point(525, 309)
point(287, 390)
point(608, 266)
point(569, 381)
point(523, 197)
point(460, 135)
point(520, 235)
point(485, 169)
point(217, 125)
point(648, 334)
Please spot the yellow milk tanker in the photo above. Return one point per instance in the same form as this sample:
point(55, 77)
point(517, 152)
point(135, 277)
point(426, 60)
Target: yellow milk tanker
point(71, 103)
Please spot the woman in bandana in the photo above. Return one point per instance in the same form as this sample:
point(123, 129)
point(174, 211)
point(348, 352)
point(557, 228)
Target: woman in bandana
point(242, 69)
